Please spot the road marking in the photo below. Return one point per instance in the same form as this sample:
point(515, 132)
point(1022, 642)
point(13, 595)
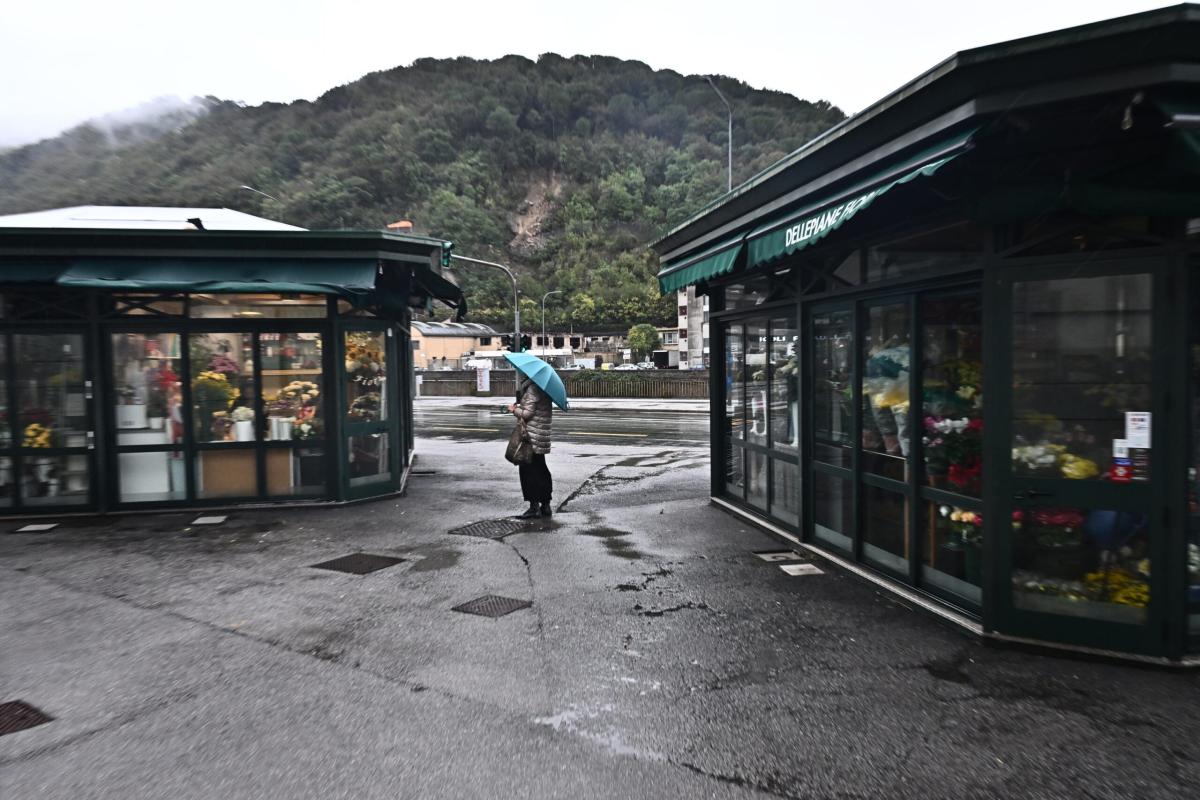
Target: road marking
point(599, 433)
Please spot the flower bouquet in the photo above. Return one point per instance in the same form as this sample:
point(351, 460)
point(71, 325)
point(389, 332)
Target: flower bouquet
point(37, 436)
point(364, 361)
point(212, 394)
point(365, 407)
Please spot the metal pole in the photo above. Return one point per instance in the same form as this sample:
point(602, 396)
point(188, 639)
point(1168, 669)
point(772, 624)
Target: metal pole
point(516, 299)
point(547, 294)
point(729, 185)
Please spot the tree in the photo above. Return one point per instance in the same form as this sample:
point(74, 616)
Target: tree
point(643, 340)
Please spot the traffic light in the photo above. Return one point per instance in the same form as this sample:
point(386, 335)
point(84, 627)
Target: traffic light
point(526, 342)
point(506, 343)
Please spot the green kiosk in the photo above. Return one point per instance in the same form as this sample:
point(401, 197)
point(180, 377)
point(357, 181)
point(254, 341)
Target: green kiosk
point(144, 366)
point(956, 339)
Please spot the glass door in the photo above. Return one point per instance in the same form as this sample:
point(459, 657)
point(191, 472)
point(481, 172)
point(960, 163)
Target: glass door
point(1080, 543)
point(370, 412)
point(47, 436)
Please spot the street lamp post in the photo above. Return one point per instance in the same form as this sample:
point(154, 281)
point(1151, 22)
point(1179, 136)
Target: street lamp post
point(728, 108)
point(547, 294)
point(516, 300)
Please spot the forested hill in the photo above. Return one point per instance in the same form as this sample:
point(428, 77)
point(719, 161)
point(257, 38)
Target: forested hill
point(565, 167)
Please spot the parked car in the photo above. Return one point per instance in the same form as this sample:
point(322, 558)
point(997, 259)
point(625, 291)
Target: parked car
point(646, 365)
point(626, 367)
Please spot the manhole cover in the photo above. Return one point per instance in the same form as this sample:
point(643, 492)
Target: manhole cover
point(358, 563)
point(17, 716)
point(491, 605)
point(491, 528)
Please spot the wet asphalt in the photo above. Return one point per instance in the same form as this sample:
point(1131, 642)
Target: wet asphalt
point(659, 658)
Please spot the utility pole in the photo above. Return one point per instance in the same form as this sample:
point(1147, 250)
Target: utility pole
point(728, 108)
point(516, 298)
point(547, 294)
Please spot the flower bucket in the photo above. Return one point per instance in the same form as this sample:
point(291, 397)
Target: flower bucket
point(243, 430)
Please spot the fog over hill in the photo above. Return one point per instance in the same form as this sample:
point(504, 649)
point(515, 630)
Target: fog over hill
point(564, 167)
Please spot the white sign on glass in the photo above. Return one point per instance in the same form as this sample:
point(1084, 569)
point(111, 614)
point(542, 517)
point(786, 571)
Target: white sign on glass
point(1137, 429)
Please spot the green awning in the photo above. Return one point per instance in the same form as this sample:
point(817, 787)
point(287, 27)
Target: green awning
point(798, 230)
point(435, 286)
point(346, 278)
point(712, 262)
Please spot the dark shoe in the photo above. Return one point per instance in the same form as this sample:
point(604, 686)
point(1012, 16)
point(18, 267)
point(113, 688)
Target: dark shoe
point(531, 512)
point(545, 509)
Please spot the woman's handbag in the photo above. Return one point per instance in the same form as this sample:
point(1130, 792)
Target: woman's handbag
point(520, 449)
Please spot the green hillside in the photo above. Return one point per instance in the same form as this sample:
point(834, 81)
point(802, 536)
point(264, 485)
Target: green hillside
point(564, 168)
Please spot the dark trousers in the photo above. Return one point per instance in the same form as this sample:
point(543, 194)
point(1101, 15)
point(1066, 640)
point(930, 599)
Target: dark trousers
point(536, 483)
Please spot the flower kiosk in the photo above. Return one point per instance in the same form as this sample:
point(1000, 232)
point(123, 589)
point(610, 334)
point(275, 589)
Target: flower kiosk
point(978, 301)
point(160, 368)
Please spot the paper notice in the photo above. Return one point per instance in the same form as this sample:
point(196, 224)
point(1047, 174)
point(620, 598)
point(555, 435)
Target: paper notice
point(1120, 448)
point(1137, 429)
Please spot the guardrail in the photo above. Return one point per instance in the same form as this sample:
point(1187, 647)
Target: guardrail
point(650, 384)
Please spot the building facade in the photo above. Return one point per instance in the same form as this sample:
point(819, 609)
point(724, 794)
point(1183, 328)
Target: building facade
point(449, 345)
point(957, 339)
point(165, 367)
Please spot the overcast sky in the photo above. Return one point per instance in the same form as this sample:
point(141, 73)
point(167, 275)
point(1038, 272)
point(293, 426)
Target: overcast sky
point(64, 61)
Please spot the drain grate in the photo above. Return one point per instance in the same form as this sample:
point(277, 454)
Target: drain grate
point(17, 716)
point(358, 563)
point(491, 605)
point(491, 528)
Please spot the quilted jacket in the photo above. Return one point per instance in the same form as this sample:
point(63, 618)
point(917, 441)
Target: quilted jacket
point(533, 406)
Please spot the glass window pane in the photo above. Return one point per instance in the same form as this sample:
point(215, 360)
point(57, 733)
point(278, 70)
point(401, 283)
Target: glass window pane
point(947, 248)
point(756, 381)
point(885, 528)
point(296, 471)
point(145, 376)
point(833, 510)
point(50, 390)
point(369, 459)
point(756, 478)
point(258, 306)
point(785, 383)
point(152, 477)
point(6, 481)
point(785, 491)
point(952, 550)
point(748, 294)
point(54, 480)
point(833, 356)
point(223, 390)
point(366, 376)
point(952, 391)
point(5, 425)
point(308, 471)
point(1082, 562)
point(734, 466)
point(1193, 484)
point(1081, 360)
point(142, 305)
point(292, 385)
point(885, 398)
point(735, 366)
point(226, 473)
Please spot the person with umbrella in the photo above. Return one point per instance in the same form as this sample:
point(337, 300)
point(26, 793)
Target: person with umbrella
point(537, 386)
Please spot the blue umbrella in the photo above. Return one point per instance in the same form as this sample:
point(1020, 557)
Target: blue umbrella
point(543, 375)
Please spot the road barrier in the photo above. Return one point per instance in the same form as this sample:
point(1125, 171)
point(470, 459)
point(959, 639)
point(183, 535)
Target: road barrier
point(650, 384)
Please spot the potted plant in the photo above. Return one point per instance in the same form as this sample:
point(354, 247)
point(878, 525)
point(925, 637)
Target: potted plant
point(212, 394)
